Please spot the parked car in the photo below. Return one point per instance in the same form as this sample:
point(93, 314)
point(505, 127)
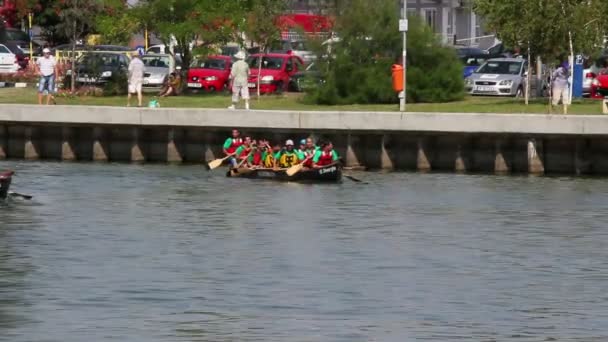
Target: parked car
point(22, 59)
point(22, 41)
point(8, 60)
point(470, 51)
point(471, 63)
point(166, 49)
point(275, 73)
point(306, 79)
point(296, 48)
point(99, 67)
point(210, 74)
point(499, 77)
point(599, 86)
point(157, 70)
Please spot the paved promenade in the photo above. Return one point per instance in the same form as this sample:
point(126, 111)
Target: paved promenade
point(330, 120)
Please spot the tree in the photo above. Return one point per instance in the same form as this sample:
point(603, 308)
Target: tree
point(76, 17)
point(117, 23)
point(547, 29)
point(357, 69)
point(184, 22)
point(261, 25)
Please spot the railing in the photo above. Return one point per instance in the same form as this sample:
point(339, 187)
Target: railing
point(475, 41)
point(291, 35)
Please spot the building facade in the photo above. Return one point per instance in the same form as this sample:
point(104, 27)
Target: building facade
point(453, 20)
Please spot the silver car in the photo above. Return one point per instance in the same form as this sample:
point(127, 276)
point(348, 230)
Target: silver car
point(498, 77)
point(157, 70)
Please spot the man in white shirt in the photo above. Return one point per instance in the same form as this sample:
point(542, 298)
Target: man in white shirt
point(47, 69)
point(136, 79)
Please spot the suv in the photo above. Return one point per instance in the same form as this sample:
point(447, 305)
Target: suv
point(99, 67)
point(296, 48)
point(276, 71)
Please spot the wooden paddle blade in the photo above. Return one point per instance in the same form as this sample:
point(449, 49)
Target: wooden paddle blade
point(294, 169)
point(215, 163)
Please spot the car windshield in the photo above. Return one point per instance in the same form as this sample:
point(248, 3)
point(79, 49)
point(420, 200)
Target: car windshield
point(17, 35)
point(156, 61)
point(212, 63)
point(500, 67)
point(272, 63)
point(101, 60)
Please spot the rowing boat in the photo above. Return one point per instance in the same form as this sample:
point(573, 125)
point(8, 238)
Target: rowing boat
point(327, 174)
point(5, 183)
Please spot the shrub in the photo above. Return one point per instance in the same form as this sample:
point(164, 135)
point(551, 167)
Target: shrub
point(357, 69)
point(116, 85)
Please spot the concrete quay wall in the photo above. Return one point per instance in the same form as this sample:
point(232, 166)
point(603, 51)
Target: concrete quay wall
point(460, 142)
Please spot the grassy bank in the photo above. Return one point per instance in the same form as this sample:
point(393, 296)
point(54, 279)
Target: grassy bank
point(293, 102)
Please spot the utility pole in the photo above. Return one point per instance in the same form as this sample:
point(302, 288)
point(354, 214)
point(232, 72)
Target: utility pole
point(403, 26)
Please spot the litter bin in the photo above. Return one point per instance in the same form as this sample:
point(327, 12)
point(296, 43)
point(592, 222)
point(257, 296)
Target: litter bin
point(397, 71)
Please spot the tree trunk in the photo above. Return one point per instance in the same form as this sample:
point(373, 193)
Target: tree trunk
point(73, 78)
point(528, 78)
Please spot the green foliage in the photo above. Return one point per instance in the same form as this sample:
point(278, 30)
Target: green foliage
point(209, 22)
point(545, 26)
point(434, 73)
point(116, 85)
point(116, 23)
point(358, 68)
point(260, 24)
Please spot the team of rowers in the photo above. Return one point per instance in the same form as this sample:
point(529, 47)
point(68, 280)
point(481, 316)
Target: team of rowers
point(246, 152)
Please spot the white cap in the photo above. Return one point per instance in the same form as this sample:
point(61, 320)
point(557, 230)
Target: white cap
point(289, 142)
point(46, 50)
point(240, 55)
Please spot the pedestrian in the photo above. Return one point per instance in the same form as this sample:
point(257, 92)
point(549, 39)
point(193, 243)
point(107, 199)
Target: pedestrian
point(560, 87)
point(136, 79)
point(47, 69)
point(239, 76)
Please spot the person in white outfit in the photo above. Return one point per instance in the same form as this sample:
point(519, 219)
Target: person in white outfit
point(239, 76)
point(560, 89)
point(136, 79)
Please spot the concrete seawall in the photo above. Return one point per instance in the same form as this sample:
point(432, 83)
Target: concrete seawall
point(461, 142)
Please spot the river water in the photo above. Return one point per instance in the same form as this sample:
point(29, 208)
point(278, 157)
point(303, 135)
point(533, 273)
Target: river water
point(159, 253)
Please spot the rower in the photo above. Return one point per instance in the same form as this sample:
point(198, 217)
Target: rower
point(288, 157)
point(243, 152)
point(325, 156)
point(271, 155)
point(232, 143)
point(308, 151)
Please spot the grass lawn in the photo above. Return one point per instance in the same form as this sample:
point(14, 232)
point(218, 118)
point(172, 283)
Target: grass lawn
point(293, 102)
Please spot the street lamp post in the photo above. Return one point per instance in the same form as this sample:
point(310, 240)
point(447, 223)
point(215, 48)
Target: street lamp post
point(403, 26)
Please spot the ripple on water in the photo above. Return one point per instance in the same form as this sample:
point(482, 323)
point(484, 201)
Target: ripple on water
point(156, 253)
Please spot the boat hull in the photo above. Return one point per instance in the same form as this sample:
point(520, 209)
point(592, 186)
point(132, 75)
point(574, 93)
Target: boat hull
point(328, 174)
point(5, 183)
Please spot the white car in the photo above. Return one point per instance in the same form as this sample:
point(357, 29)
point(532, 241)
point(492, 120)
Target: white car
point(8, 60)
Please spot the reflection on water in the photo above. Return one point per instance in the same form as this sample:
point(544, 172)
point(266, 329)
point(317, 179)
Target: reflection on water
point(159, 253)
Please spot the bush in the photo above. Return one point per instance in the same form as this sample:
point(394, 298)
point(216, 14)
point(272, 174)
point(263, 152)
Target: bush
point(116, 85)
point(357, 70)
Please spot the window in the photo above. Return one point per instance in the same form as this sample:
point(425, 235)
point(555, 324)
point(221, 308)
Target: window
point(4, 49)
point(450, 27)
point(430, 17)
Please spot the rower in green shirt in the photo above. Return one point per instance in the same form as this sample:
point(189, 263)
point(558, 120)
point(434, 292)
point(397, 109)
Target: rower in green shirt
point(289, 156)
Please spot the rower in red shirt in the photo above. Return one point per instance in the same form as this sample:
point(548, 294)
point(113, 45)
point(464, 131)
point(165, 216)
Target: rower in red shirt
point(232, 143)
point(326, 155)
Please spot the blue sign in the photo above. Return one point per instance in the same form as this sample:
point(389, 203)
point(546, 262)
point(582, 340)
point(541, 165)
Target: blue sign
point(140, 50)
point(577, 77)
point(31, 34)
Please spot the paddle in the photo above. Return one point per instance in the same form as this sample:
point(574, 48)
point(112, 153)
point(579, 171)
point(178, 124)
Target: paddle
point(298, 167)
point(217, 162)
point(352, 178)
point(15, 194)
point(244, 160)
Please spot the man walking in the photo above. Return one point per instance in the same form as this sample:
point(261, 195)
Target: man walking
point(239, 76)
point(560, 89)
point(136, 79)
point(47, 69)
